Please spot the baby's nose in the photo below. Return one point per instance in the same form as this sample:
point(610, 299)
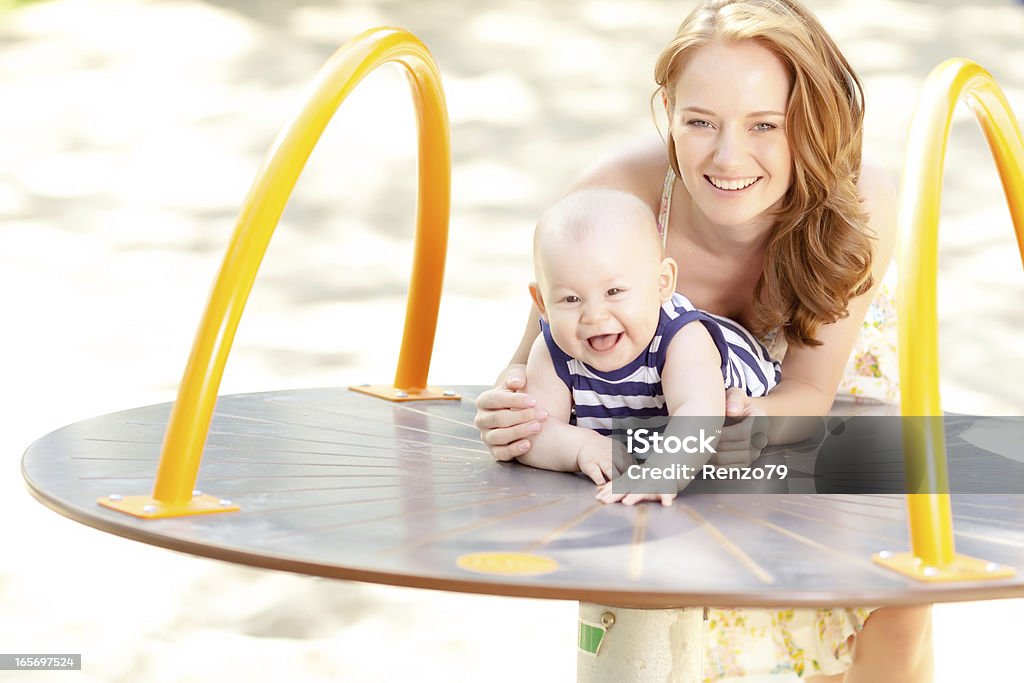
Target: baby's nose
point(593, 312)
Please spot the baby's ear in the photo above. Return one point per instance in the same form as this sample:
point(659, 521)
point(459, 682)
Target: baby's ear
point(667, 278)
point(538, 300)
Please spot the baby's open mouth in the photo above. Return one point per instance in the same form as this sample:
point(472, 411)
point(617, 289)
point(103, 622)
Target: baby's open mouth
point(603, 342)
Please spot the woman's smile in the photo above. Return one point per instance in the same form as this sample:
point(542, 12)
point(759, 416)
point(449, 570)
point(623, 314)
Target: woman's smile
point(732, 186)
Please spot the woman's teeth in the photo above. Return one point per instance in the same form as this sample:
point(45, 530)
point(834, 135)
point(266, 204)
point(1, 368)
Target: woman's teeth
point(732, 184)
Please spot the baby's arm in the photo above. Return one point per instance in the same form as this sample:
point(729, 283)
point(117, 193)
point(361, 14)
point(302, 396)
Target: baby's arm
point(692, 376)
point(560, 445)
point(692, 382)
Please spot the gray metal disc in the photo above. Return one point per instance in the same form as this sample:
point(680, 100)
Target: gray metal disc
point(338, 484)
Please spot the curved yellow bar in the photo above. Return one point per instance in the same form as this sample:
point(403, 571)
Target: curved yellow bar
point(190, 417)
point(930, 515)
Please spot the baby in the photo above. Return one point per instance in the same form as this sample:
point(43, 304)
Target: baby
point(617, 340)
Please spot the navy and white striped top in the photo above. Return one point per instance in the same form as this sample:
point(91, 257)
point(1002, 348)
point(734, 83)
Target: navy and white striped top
point(635, 390)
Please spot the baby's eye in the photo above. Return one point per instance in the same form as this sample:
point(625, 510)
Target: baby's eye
point(615, 290)
point(571, 299)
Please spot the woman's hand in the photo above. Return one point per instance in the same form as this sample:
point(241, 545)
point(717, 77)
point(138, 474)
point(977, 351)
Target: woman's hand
point(745, 433)
point(507, 418)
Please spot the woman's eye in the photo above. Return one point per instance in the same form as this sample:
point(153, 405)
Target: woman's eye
point(699, 123)
point(761, 127)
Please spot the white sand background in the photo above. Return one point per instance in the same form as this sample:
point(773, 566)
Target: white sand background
point(129, 134)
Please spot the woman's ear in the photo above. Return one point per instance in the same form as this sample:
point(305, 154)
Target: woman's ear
point(667, 278)
point(538, 300)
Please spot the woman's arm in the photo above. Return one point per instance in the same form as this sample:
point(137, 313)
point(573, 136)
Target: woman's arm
point(522, 353)
point(811, 375)
point(505, 415)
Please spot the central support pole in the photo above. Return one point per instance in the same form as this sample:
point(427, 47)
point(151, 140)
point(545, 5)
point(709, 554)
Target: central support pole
point(617, 644)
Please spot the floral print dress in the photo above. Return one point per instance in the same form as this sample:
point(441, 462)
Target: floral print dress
point(777, 645)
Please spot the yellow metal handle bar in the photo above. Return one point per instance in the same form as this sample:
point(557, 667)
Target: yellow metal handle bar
point(930, 515)
point(193, 409)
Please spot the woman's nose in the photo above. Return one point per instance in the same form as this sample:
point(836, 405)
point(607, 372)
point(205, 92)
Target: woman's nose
point(729, 149)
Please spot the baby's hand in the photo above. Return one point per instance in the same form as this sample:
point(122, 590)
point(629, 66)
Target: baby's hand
point(605, 494)
point(596, 464)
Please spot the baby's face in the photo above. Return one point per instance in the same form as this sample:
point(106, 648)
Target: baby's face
point(601, 295)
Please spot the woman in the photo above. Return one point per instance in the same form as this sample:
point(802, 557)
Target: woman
point(776, 223)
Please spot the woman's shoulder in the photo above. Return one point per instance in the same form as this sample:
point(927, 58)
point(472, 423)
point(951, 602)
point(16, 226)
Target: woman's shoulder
point(638, 167)
point(878, 193)
point(876, 187)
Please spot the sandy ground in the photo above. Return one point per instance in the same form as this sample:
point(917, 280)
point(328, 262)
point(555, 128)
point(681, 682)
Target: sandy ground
point(129, 133)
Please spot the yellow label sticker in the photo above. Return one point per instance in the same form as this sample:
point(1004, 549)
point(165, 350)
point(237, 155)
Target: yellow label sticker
point(509, 564)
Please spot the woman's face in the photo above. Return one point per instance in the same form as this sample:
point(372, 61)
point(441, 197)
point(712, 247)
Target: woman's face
point(728, 115)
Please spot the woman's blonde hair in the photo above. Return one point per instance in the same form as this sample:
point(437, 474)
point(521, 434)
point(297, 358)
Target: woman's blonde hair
point(819, 254)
